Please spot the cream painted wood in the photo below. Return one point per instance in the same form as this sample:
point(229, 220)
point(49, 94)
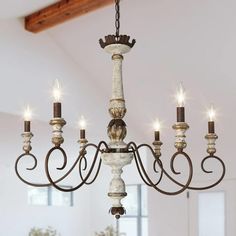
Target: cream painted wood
point(57, 126)
point(117, 49)
point(117, 185)
point(117, 110)
point(27, 136)
point(117, 103)
point(180, 129)
point(211, 143)
point(117, 80)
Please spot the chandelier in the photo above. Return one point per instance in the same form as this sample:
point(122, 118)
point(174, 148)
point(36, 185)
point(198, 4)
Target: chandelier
point(117, 153)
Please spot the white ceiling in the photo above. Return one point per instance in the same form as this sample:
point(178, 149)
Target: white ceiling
point(188, 41)
point(177, 41)
point(19, 8)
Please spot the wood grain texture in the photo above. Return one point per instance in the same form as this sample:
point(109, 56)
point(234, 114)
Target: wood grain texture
point(60, 12)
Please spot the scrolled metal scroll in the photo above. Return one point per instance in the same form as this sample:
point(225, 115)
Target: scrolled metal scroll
point(31, 169)
point(84, 159)
point(145, 177)
point(180, 152)
point(206, 171)
point(85, 168)
point(84, 180)
point(155, 163)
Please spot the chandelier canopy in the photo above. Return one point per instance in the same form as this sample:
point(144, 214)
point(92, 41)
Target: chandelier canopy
point(117, 153)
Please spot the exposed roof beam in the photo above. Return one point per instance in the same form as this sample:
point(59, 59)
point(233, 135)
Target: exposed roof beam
point(60, 12)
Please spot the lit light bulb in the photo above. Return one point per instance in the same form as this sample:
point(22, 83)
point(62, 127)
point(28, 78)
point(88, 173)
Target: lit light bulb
point(211, 113)
point(57, 93)
point(157, 125)
point(27, 114)
point(181, 96)
point(82, 123)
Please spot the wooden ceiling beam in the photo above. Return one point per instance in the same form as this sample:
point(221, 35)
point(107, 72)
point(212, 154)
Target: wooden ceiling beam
point(60, 12)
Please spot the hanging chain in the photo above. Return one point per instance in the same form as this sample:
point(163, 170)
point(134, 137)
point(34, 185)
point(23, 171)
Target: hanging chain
point(117, 23)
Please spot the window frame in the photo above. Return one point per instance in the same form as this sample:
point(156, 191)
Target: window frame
point(49, 190)
point(140, 216)
point(224, 206)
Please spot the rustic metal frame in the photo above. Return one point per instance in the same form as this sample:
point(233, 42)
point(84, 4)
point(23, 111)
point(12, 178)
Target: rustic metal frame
point(82, 164)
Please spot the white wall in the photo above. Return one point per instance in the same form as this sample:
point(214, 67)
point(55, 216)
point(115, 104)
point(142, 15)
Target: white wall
point(190, 41)
point(29, 65)
point(171, 215)
point(16, 216)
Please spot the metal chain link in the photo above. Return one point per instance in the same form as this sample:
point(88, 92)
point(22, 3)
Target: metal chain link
point(117, 23)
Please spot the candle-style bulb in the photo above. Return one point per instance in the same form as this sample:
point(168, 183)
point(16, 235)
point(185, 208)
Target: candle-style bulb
point(27, 114)
point(211, 122)
point(82, 123)
point(27, 119)
point(211, 114)
point(57, 93)
point(180, 96)
point(157, 125)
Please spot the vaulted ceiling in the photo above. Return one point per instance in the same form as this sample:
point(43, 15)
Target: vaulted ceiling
point(18, 8)
point(177, 41)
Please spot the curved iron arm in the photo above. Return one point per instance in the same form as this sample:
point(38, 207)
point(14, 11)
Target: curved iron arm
point(85, 167)
point(81, 156)
point(204, 170)
point(61, 168)
point(147, 179)
point(33, 168)
point(202, 167)
point(154, 168)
